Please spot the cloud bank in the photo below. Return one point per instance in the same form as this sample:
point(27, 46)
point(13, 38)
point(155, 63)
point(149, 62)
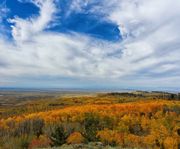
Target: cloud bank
point(148, 53)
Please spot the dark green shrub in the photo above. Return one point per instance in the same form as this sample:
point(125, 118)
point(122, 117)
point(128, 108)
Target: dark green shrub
point(23, 128)
point(92, 124)
point(136, 129)
point(37, 126)
point(58, 137)
point(24, 144)
point(106, 122)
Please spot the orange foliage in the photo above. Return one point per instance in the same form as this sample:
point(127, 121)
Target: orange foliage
point(40, 142)
point(76, 112)
point(111, 137)
point(170, 143)
point(75, 138)
point(156, 125)
point(149, 140)
point(133, 140)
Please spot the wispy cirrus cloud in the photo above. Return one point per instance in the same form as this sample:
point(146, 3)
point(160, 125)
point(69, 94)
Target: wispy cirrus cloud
point(3, 10)
point(3, 14)
point(24, 29)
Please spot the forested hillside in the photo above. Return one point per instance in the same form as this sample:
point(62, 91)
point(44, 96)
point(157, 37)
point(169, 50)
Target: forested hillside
point(117, 120)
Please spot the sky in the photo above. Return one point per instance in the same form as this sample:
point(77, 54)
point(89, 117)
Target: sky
point(90, 44)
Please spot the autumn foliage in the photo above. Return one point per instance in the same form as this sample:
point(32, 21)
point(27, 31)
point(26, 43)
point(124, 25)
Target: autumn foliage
point(41, 142)
point(144, 124)
point(75, 138)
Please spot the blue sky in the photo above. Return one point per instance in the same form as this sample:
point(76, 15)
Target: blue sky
point(66, 22)
point(90, 43)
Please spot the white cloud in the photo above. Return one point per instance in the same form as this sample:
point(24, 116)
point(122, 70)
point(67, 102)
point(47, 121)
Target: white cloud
point(55, 55)
point(24, 29)
point(149, 52)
